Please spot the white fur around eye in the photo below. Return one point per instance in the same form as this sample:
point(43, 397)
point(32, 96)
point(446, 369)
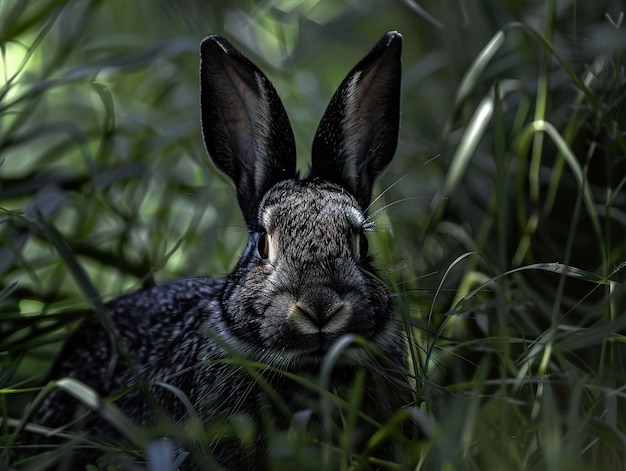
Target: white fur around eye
point(266, 215)
point(355, 217)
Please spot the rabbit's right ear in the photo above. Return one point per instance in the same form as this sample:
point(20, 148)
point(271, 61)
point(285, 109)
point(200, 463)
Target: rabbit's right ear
point(245, 127)
point(358, 134)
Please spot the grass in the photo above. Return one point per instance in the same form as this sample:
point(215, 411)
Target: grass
point(505, 234)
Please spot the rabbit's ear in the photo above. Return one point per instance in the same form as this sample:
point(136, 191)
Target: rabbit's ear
point(358, 134)
point(245, 128)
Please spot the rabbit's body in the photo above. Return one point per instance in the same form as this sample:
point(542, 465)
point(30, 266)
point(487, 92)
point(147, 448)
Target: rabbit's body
point(159, 327)
point(303, 283)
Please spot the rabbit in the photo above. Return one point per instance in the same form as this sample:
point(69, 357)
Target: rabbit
point(304, 283)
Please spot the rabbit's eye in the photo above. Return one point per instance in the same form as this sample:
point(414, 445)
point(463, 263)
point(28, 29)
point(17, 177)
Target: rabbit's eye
point(360, 245)
point(263, 246)
point(364, 245)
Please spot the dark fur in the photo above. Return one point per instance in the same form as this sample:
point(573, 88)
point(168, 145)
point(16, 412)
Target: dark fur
point(303, 282)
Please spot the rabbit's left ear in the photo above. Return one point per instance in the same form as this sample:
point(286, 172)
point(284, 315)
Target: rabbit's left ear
point(358, 134)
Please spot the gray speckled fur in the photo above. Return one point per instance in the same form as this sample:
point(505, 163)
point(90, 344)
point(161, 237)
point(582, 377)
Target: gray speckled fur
point(160, 326)
point(303, 282)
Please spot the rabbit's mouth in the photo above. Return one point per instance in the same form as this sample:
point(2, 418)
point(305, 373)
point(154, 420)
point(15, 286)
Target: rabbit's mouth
point(317, 346)
point(339, 349)
point(318, 327)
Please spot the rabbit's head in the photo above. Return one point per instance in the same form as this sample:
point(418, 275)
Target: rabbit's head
point(305, 277)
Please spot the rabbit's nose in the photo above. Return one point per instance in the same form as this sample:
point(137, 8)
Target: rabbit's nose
point(327, 318)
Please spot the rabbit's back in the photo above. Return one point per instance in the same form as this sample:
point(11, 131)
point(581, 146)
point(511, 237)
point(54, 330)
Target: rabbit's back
point(157, 332)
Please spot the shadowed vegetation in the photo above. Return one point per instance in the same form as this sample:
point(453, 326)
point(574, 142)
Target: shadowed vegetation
point(501, 222)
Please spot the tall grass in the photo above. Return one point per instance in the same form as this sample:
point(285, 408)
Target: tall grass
point(533, 335)
point(504, 238)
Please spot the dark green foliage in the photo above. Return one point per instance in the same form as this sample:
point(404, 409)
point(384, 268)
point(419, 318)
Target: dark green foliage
point(504, 226)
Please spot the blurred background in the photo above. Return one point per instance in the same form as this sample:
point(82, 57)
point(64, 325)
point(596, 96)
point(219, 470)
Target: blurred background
point(105, 185)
